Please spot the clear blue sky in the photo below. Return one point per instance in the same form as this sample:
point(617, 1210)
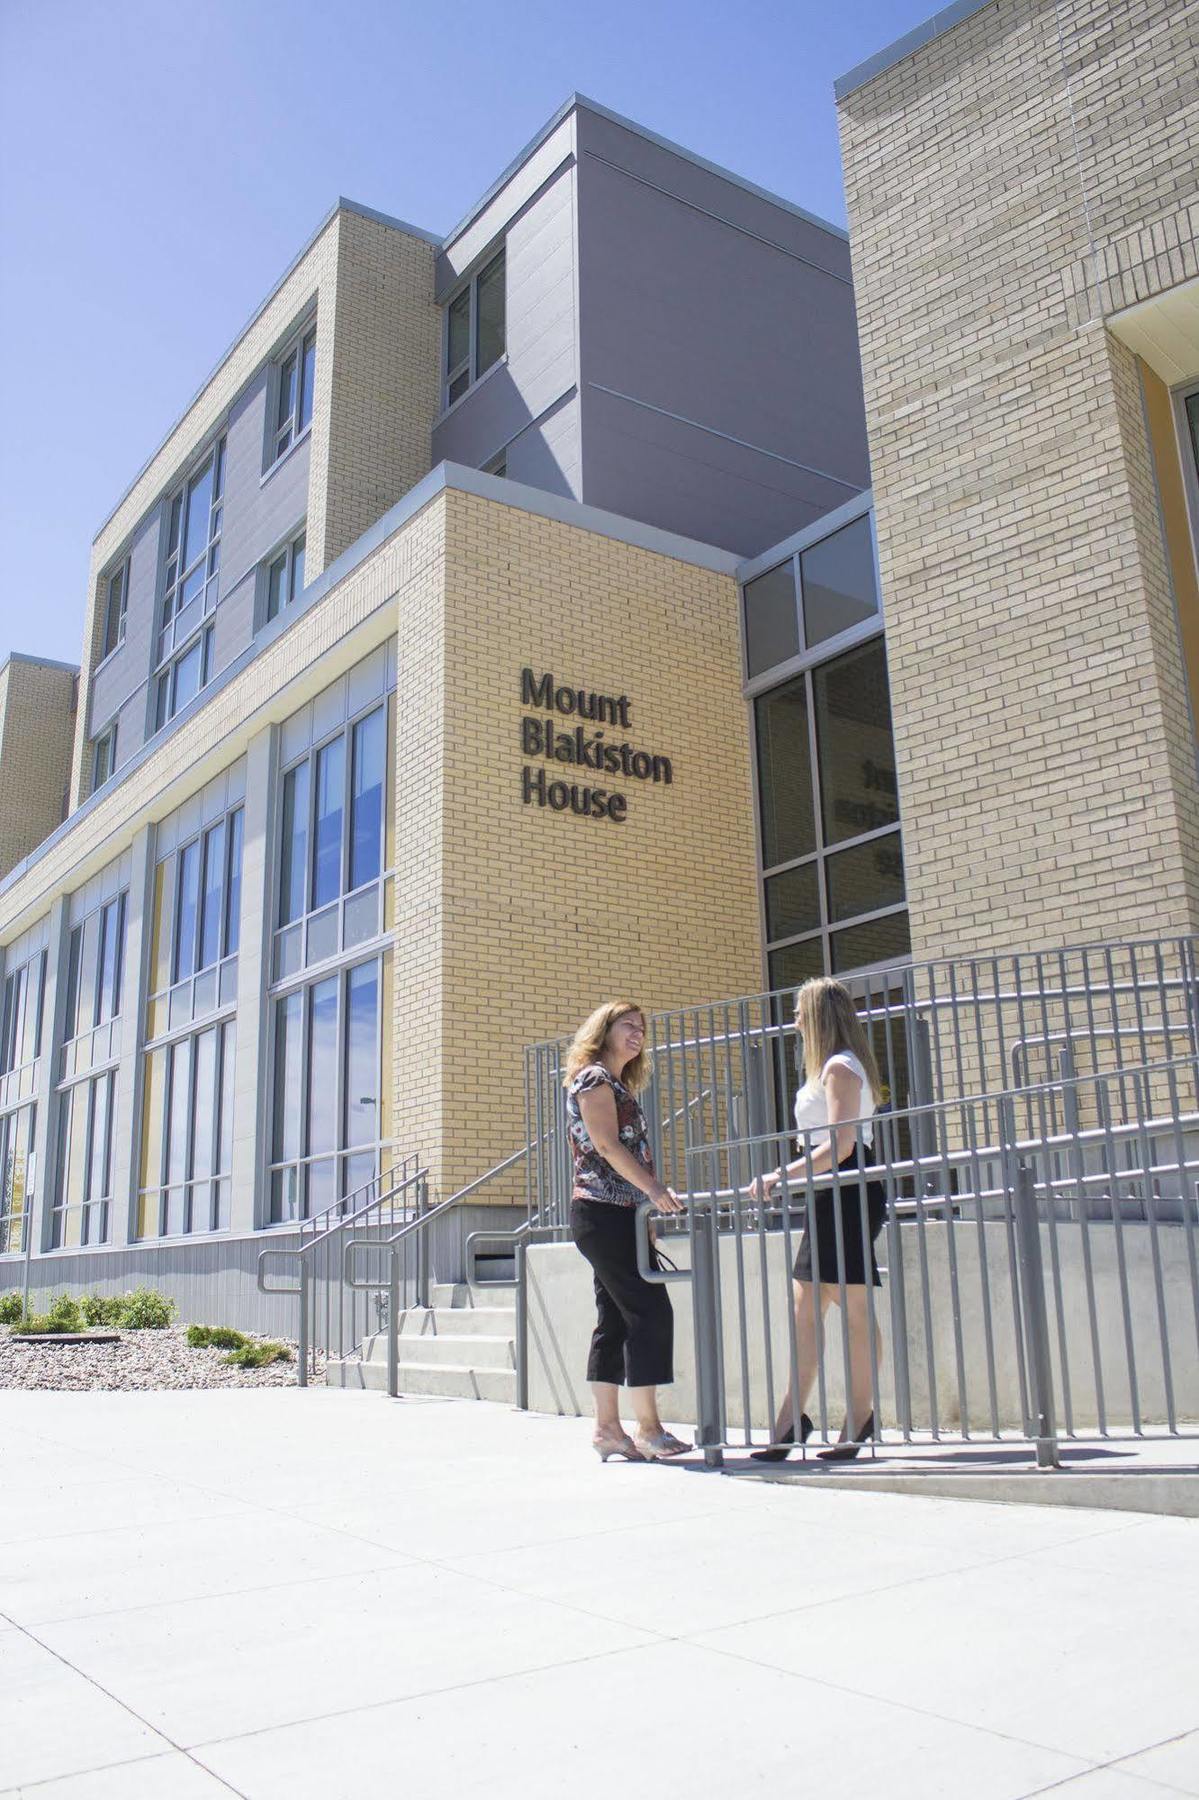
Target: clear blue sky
point(161, 161)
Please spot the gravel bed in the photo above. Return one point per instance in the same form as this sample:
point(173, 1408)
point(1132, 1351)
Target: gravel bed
point(141, 1360)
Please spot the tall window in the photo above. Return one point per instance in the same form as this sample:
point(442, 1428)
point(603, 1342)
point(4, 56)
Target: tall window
point(475, 328)
point(196, 927)
point(18, 1164)
point(332, 849)
point(95, 969)
point(21, 1019)
point(285, 577)
point(295, 378)
point(104, 756)
point(187, 1134)
point(190, 584)
point(832, 857)
point(82, 1211)
point(116, 601)
point(329, 1121)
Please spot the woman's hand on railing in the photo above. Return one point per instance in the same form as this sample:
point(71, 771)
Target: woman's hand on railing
point(761, 1186)
point(664, 1198)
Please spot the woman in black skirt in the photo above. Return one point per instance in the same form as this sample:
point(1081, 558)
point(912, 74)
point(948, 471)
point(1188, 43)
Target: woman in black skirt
point(606, 1068)
point(839, 1096)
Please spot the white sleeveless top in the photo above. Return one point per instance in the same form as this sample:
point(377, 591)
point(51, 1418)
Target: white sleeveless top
point(811, 1102)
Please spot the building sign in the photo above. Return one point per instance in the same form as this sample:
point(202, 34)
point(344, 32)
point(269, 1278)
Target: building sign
point(551, 736)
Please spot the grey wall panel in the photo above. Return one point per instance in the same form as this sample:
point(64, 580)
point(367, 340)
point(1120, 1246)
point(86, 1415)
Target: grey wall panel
point(131, 726)
point(541, 360)
point(549, 454)
point(494, 218)
point(125, 672)
point(259, 514)
point(235, 620)
point(688, 308)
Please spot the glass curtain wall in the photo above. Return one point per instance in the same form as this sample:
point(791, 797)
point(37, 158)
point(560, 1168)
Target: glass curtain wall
point(832, 856)
point(82, 1209)
point(21, 1024)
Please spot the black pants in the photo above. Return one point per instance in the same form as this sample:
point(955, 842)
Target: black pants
point(633, 1341)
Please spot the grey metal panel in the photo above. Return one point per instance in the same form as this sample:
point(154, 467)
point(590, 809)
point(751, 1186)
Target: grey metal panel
point(235, 620)
point(126, 670)
point(516, 192)
point(131, 727)
point(541, 358)
point(704, 302)
point(259, 514)
point(549, 454)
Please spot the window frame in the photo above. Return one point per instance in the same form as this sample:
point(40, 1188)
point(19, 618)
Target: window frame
point(346, 731)
point(468, 365)
point(111, 641)
point(291, 553)
point(290, 429)
point(189, 997)
point(104, 739)
point(185, 1041)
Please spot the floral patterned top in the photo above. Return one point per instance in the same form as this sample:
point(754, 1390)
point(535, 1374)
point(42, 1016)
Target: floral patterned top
point(595, 1178)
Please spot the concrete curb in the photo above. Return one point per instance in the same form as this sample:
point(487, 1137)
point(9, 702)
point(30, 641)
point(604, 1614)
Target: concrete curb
point(1174, 1491)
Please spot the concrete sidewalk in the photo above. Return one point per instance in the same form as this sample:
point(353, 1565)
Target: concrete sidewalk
point(295, 1596)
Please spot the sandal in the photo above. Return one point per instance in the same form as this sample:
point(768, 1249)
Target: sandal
point(662, 1445)
point(613, 1445)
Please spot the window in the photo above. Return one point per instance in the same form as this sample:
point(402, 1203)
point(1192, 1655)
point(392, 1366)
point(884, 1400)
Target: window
point(196, 927)
point(82, 1211)
point(833, 878)
point(827, 589)
point(104, 756)
point(95, 969)
point(187, 1135)
point(294, 382)
point(285, 577)
point(116, 601)
point(332, 831)
point(475, 328)
point(182, 679)
point(18, 1162)
point(329, 1123)
point(190, 588)
point(21, 1019)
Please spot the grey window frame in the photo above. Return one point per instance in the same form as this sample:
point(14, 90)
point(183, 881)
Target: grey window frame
point(224, 1024)
point(170, 585)
point(1188, 456)
point(121, 574)
point(469, 364)
point(286, 555)
point(345, 731)
point(107, 737)
point(295, 433)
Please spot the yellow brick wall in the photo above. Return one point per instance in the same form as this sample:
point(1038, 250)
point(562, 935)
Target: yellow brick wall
point(520, 919)
point(1044, 745)
point(37, 730)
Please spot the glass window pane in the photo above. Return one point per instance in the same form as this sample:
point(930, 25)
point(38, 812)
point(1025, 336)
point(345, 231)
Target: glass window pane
point(322, 1067)
point(771, 619)
point(212, 890)
point(199, 506)
point(321, 1187)
point(330, 806)
point(287, 391)
point(458, 333)
point(1193, 422)
point(294, 871)
point(785, 774)
point(112, 932)
point(180, 1113)
point(297, 569)
point(458, 386)
point(99, 1172)
point(275, 586)
point(289, 1056)
point(185, 913)
point(233, 886)
point(366, 814)
point(489, 329)
point(204, 1111)
point(362, 1055)
point(89, 964)
point(837, 579)
point(792, 903)
point(71, 1023)
point(187, 679)
point(307, 380)
point(225, 1129)
point(796, 963)
point(865, 878)
point(856, 750)
point(881, 940)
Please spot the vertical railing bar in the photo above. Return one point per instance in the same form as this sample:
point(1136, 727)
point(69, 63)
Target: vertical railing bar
point(1048, 1129)
point(852, 1425)
point(925, 1289)
point(1144, 1113)
point(984, 1275)
point(1008, 1153)
point(876, 1401)
point(1103, 1106)
point(1077, 1170)
point(955, 1294)
point(788, 1264)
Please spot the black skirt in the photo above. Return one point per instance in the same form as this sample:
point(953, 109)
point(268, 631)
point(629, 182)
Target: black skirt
point(825, 1207)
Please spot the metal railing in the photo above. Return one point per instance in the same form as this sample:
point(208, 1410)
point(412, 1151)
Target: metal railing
point(1058, 1295)
point(333, 1318)
point(1025, 1022)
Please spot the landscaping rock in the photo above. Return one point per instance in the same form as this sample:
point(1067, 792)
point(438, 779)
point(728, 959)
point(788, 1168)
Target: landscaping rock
point(133, 1360)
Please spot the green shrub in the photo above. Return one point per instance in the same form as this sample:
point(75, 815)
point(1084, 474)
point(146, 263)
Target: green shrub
point(102, 1309)
point(219, 1337)
point(36, 1324)
point(257, 1356)
point(144, 1310)
point(63, 1314)
point(12, 1309)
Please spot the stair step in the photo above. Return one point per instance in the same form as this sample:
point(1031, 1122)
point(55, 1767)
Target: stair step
point(449, 1381)
point(447, 1351)
point(458, 1321)
point(464, 1294)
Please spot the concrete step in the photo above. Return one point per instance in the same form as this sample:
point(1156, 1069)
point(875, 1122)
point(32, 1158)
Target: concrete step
point(463, 1294)
point(473, 1352)
point(450, 1381)
point(458, 1321)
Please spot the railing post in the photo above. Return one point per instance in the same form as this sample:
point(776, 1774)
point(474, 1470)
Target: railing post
point(422, 1251)
point(303, 1332)
point(705, 1273)
point(393, 1322)
point(522, 1325)
point(1034, 1317)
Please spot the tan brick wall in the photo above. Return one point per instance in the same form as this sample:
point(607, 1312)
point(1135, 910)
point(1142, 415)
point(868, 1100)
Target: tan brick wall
point(541, 915)
point(37, 729)
point(380, 388)
point(1044, 745)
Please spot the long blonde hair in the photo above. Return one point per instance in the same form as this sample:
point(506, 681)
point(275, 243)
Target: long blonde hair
point(587, 1046)
point(828, 1022)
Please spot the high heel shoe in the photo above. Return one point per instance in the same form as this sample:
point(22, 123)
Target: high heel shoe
point(780, 1451)
point(847, 1449)
point(662, 1445)
point(623, 1445)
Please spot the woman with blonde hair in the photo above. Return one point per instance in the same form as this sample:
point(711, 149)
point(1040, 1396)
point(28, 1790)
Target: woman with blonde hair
point(633, 1341)
point(841, 1087)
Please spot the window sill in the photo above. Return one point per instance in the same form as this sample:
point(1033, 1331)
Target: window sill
point(287, 455)
point(501, 362)
point(109, 657)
